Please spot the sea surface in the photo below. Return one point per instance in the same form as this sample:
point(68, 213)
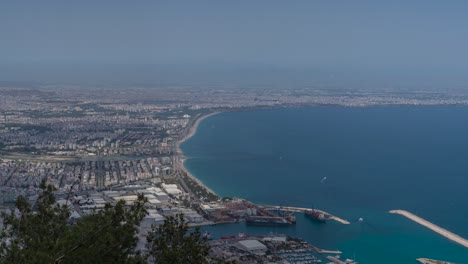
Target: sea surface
point(374, 159)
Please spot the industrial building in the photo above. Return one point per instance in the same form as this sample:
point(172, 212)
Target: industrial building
point(153, 218)
point(252, 246)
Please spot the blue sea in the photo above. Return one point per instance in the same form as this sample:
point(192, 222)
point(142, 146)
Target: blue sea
point(374, 159)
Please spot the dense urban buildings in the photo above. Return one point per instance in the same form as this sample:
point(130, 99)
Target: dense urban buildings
point(111, 145)
point(98, 140)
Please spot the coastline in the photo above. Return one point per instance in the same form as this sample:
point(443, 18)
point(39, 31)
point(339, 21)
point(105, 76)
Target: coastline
point(413, 246)
point(192, 129)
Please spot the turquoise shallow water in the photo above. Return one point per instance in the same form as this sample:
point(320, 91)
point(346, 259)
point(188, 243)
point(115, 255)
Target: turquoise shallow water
point(375, 159)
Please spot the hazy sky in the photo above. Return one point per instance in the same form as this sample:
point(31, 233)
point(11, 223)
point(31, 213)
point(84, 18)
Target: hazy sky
point(421, 36)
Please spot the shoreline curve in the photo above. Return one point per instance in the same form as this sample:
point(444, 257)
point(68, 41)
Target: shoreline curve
point(191, 130)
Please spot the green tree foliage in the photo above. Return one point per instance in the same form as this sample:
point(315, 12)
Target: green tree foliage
point(172, 243)
point(108, 236)
point(44, 235)
point(28, 236)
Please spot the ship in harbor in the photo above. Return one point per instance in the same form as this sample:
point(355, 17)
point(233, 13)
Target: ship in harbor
point(317, 215)
point(291, 218)
point(267, 221)
point(288, 215)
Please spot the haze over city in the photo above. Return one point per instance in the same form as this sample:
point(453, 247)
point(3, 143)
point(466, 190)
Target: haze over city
point(353, 44)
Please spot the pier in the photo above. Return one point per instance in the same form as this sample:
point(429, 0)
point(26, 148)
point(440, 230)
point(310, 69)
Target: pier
point(454, 237)
point(302, 210)
point(432, 261)
point(335, 260)
point(324, 251)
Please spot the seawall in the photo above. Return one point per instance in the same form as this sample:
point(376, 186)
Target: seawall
point(454, 237)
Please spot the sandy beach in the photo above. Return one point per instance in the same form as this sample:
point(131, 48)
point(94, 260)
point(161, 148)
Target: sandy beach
point(191, 131)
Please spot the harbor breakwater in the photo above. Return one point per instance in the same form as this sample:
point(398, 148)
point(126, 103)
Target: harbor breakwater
point(443, 232)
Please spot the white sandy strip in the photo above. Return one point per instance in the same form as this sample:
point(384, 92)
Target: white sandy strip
point(191, 132)
point(455, 238)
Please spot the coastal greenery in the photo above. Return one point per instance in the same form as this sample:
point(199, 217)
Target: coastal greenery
point(45, 234)
point(199, 190)
point(172, 242)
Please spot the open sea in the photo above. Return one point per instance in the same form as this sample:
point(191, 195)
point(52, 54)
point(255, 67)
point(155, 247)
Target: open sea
point(374, 159)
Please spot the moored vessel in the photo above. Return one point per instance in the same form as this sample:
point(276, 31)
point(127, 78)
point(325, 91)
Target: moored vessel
point(267, 221)
point(317, 215)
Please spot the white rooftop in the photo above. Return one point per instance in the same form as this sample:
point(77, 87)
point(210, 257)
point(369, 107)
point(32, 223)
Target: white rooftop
point(252, 244)
point(126, 198)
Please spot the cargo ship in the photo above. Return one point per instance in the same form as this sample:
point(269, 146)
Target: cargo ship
point(267, 221)
point(291, 218)
point(317, 215)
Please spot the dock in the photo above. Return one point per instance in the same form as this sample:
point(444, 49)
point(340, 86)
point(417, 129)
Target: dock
point(335, 260)
point(302, 210)
point(324, 251)
point(451, 236)
point(432, 261)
